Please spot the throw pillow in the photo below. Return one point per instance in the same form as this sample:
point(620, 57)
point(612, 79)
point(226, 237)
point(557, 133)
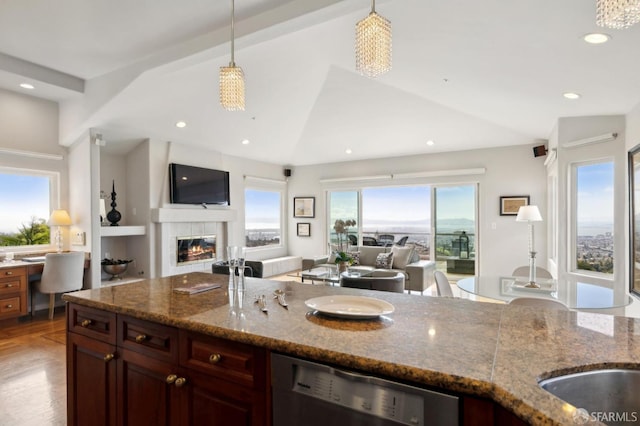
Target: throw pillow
point(415, 256)
point(384, 260)
point(401, 256)
point(355, 255)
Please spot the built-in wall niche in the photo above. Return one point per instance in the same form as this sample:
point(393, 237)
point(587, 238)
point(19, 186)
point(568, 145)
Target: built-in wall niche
point(118, 248)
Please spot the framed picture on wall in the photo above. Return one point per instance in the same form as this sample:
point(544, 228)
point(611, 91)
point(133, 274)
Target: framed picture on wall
point(304, 230)
point(304, 206)
point(510, 204)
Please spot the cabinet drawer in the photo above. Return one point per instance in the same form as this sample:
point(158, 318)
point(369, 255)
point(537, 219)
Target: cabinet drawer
point(91, 322)
point(10, 306)
point(155, 340)
point(19, 271)
point(237, 362)
point(12, 285)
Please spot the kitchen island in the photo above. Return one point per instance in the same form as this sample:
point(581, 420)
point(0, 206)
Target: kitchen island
point(489, 354)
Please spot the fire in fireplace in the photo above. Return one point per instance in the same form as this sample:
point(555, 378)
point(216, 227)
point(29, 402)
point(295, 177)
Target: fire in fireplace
point(196, 249)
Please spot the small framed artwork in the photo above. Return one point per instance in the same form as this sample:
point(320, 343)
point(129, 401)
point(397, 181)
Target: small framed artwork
point(304, 230)
point(509, 205)
point(304, 206)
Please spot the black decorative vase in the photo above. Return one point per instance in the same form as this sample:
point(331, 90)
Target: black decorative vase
point(114, 215)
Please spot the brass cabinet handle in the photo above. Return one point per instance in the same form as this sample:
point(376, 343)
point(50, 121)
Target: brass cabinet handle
point(180, 381)
point(9, 306)
point(86, 323)
point(141, 338)
point(9, 272)
point(171, 378)
point(109, 357)
point(214, 358)
point(9, 285)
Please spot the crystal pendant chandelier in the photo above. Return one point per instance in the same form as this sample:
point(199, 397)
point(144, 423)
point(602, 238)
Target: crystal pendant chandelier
point(232, 79)
point(617, 14)
point(373, 44)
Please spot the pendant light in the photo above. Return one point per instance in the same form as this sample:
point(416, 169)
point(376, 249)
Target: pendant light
point(232, 78)
point(617, 14)
point(373, 44)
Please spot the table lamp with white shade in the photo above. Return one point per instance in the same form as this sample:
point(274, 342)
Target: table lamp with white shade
point(530, 214)
point(59, 218)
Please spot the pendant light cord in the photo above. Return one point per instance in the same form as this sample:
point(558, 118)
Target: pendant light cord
point(233, 63)
point(373, 6)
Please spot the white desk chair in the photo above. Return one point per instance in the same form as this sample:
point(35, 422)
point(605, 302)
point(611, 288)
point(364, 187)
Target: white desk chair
point(63, 272)
point(523, 271)
point(539, 303)
point(442, 284)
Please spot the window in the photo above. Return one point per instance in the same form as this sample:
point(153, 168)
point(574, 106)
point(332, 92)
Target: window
point(263, 218)
point(594, 183)
point(26, 200)
point(343, 205)
point(392, 213)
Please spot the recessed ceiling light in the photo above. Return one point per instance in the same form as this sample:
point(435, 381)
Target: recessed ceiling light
point(27, 86)
point(430, 142)
point(571, 95)
point(348, 151)
point(245, 142)
point(181, 124)
point(596, 38)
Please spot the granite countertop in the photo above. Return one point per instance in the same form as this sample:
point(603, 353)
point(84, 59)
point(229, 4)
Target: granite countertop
point(488, 350)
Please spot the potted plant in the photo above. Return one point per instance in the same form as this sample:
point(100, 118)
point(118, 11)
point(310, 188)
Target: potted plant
point(343, 260)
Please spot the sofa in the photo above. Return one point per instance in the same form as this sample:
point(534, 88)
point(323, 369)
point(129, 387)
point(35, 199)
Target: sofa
point(378, 279)
point(418, 273)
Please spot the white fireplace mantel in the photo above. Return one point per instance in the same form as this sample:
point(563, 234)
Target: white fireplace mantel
point(193, 215)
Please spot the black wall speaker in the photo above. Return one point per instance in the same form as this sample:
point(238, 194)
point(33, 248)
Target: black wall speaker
point(287, 172)
point(539, 151)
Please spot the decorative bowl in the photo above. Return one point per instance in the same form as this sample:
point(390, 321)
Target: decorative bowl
point(115, 270)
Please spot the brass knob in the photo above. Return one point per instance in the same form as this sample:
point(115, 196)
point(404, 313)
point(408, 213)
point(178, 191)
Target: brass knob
point(9, 272)
point(9, 306)
point(214, 358)
point(181, 381)
point(9, 285)
point(141, 338)
point(109, 357)
point(86, 323)
point(171, 378)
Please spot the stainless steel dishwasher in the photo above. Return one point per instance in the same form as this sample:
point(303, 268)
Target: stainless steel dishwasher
point(311, 394)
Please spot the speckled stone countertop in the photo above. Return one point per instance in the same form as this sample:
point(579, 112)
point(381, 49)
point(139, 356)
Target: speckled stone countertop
point(483, 349)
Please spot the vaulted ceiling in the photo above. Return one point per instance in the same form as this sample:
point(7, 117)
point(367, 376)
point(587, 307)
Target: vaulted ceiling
point(466, 73)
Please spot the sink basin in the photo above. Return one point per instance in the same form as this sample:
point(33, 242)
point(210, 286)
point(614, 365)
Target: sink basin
point(612, 396)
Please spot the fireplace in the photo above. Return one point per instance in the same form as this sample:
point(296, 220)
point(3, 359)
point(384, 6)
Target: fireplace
point(194, 249)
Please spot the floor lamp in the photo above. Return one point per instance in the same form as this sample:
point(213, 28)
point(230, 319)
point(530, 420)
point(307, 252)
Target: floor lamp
point(59, 218)
point(530, 214)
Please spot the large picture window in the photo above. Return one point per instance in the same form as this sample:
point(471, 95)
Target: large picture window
point(26, 200)
point(594, 183)
point(263, 218)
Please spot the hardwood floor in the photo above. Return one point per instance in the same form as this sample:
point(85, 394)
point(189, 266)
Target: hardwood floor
point(33, 372)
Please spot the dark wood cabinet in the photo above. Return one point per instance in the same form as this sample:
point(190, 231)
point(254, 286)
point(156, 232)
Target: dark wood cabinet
point(91, 367)
point(160, 375)
point(13, 292)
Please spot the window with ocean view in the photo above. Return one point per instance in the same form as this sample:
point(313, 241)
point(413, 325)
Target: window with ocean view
point(263, 219)
point(25, 206)
point(594, 217)
point(392, 213)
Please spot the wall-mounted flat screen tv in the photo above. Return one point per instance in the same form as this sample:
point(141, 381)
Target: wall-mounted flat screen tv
point(197, 185)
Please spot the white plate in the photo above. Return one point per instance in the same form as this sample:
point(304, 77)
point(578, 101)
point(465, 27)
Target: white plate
point(350, 306)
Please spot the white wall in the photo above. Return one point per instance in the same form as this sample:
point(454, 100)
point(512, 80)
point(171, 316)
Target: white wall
point(509, 171)
point(31, 124)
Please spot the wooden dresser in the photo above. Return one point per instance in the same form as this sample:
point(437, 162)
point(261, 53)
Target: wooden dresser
point(13, 292)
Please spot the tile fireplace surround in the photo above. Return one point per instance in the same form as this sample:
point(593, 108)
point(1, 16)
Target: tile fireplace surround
point(173, 223)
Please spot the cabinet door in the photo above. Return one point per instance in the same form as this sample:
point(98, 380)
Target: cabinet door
point(91, 381)
point(214, 402)
point(148, 390)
